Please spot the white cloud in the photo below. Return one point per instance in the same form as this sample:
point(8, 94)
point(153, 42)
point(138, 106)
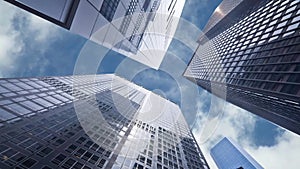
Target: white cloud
point(285, 154)
point(12, 41)
point(45, 30)
point(239, 124)
point(10, 44)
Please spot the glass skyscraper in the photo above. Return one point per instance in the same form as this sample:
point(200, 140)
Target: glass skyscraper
point(91, 121)
point(228, 154)
point(253, 53)
point(140, 30)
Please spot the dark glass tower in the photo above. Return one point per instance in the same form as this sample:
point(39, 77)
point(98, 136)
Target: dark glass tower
point(83, 122)
point(228, 154)
point(253, 52)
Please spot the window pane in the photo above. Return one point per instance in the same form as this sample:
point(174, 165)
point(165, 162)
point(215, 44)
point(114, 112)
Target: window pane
point(31, 105)
point(3, 90)
point(53, 100)
point(4, 115)
point(18, 109)
point(61, 98)
point(11, 87)
point(43, 102)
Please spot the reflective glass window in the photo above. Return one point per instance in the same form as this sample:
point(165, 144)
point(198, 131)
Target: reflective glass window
point(3, 90)
point(4, 102)
point(43, 102)
point(296, 19)
point(18, 109)
point(53, 100)
point(33, 84)
point(294, 26)
point(24, 86)
point(11, 87)
point(4, 115)
point(31, 105)
point(61, 98)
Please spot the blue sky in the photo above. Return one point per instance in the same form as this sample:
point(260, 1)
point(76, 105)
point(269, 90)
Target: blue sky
point(32, 47)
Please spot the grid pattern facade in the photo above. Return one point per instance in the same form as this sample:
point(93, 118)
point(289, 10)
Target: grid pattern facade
point(109, 8)
point(128, 27)
point(256, 56)
point(227, 154)
point(225, 7)
point(41, 127)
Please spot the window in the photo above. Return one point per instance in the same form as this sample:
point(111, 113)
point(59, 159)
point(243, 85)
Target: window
point(18, 157)
point(29, 163)
point(43, 102)
point(45, 152)
point(18, 109)
point(52, 100)
point(294, 26)
point(69, 163)
point(79, 152)
point(86, 156)
point(11, 87)
point(71, 148)
point(58, 142)
point(3, 90)
point(78, 165)
point(31, 105)
point(109, 8)
point(4, 115)
point(58, 159)
point(94, 159)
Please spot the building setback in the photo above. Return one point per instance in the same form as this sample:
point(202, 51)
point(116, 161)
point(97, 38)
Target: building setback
point(139, 29)
point(228, 154)
point(91, 121)
point(253, 53)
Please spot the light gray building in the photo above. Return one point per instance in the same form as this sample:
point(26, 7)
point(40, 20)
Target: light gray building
point(91, 121)
point(139, 29)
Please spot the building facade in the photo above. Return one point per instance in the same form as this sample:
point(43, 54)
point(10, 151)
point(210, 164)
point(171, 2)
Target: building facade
point(253, 53)
point(91, 121)
point(228, 154)
point(139, 29)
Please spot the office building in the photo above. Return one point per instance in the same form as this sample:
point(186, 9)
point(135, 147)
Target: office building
point(253, 54)
point(228, 154)
point(91, 121)
point(141, 30)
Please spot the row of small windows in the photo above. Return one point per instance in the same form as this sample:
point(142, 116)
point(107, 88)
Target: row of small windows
point(220, 43)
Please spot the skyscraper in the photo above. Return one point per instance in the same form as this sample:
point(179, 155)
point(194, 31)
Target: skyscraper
point(141, 30)
point(228, 154)
point(91, 121)
point(252, 52)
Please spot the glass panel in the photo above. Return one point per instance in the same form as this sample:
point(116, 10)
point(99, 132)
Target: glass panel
point(3, 90)
point(67, 96)
point(61, 98)
point(19, 99)
point(24, 86)
point(33, 84)
point(43, 83)
point(4, 115)
point(18, 109)
point(56, 9)
point(11, 87)
point(4, 102)
point(31, 105)
point(43, 102)
point(294, 26)
point(53, 100)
